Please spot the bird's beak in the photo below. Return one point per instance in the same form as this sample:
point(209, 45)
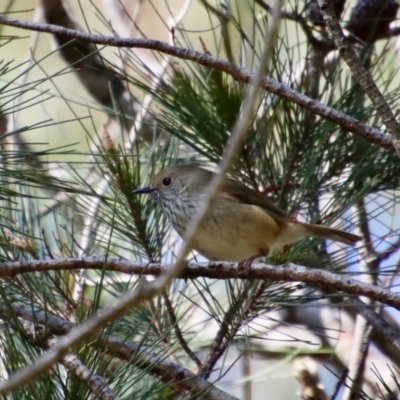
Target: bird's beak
point(146, 190)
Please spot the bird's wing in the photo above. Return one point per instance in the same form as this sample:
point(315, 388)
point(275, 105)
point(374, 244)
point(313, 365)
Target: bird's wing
point(246, 195)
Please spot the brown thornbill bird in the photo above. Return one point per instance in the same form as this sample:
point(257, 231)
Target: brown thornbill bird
point(242, 224)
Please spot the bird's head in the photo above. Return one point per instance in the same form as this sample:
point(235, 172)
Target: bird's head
point(177, 183)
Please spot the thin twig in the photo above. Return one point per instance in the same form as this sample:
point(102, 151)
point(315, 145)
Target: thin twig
point(226, 333)
point(363, 225)
point(240, 74)
point(178, 333)
point(339, 384)
point(362, 330)
point(291, 16)
point(214, 10)
point(385, 254)
point(356, 364)
point(224, 20)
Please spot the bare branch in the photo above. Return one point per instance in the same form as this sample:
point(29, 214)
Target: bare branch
point(96, 77)
point(391, 334)
point(240, 74)
point(40, 338)
point(169, 373)
point(96, 383)
point(89, 329)
point(214, 270)
point(166, 371)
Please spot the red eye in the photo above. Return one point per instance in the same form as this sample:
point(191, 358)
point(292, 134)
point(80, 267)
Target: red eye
point(166, 181)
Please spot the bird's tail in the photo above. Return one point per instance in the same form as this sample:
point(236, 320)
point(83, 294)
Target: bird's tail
point(336, 235)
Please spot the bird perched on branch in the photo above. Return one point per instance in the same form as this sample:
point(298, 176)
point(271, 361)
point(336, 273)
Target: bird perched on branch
point(242, 223)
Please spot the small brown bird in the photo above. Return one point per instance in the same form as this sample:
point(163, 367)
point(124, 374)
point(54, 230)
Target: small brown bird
point(242, 224)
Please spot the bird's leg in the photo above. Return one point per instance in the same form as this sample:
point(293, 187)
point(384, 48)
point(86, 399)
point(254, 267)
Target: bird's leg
point(246, 264)
point(294, 216)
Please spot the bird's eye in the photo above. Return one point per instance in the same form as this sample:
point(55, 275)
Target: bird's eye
point(166, 181)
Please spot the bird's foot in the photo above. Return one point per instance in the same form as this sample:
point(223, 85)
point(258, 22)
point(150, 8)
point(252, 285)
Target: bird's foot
point(245, 265)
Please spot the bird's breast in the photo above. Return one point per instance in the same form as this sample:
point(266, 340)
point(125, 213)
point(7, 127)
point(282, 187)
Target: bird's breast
point(231, 231)
point(180, 212)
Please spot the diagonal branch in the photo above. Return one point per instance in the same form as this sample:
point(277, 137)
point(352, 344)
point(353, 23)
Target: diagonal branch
point(166, 371)
point(327, 45)
point(363, 330)
point(230, 325)
point(96, 383)
point(40, 338)
point(391, 334)
point(240, 74)
point(169, 373)
point(362, 76)
point(87, 330)
point(178, 332)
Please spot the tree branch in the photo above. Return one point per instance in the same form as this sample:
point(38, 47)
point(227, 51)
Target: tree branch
point(362, 76)
point(240, 74)
point(214, 270)
point(178, 333)
point(234, 319)
point(169, 373)
point(327, 45)
point(362, 330)
point(89, 328)
point(95, 382)
point(40, 338)
point(391, 334)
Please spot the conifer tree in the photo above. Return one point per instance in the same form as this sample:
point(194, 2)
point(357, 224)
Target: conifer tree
point(296, 100)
